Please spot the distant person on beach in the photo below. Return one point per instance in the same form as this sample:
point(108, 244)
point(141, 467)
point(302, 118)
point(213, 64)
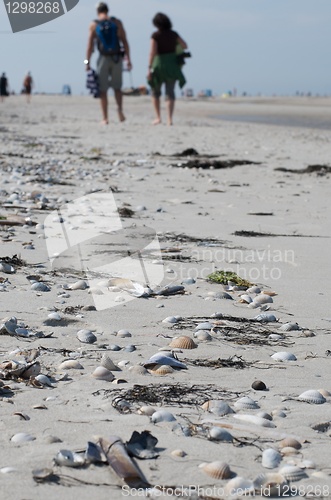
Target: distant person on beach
point(27, 86)
point(164, 66)
point(3, 87)
point(109, 35)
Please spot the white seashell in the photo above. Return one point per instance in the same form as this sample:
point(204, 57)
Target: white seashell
point(55, 316)
point(170, 319)
point(178, 453)
point(123, 363)
point(307, 464)
point(6, 268)
point(266, 318)
point(86, 337)
point(219, 408)
point(264, 414)
point(271, 485)
point(204, 326)
point(311, 396)
point(253, 289)
point(290, 442)
point(288, 327)
point(288, 451)
point(275, 336)
point(239, 487)
point(244, 298)
point(69, 459)
point(160, 358)
point(246, 403)
point(271, 458)
point(203, 335)
point(162, 416)
point(8, 470)
point(278, 413)
point(123, 334)
point(262, 299)
point(217, 470)
point(283, 356)
point(23, 332)
point(22, 437)
point(292, 473)
point(44, 380)
point(254, 419)
point(101, 373)
point(40, 287)
point(71, 364)
point(138, 370)
point(108, 363)
point(78, 285)
point(146, 410)
point(218, 434)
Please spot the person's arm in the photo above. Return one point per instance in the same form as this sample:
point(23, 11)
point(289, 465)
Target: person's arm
point(152, 54)
point(182, 43)
point(124, 40)
point(90, 44)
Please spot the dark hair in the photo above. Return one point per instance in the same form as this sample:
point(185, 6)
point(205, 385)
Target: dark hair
point(162, 22)
point(102, 8)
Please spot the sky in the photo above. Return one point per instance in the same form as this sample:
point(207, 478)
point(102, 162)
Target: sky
point(257, 46)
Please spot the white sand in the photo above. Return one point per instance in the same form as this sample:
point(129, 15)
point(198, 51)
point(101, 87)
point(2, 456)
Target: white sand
point(200, 203)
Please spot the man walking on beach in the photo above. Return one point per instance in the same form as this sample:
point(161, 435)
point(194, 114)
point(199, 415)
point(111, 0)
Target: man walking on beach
point(109, 34)
point(27, 86)
point(3, 87)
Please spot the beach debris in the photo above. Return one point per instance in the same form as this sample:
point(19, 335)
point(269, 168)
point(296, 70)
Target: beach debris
point(101, 373)
point(217, 470)
point(183, 342)
point(93, 453)
point(119, 460)
point(142, 445)
point(311, 169)
point(86, 336)
point(312, 397)
point(283, 356)
point(22, 437)
point(170, 290)
point(69, 458)
point(223, 278)
point(271, 458)
point(212, 164)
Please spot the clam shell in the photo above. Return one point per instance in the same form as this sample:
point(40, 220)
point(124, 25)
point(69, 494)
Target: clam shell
point(245, 299)
point(289, 327)
point(218, 434)
point(270, 485)
point(6, 268)
point(239, 487)
point(253, 289)
point(222, 295)
point(283, 356)
point(271, 458)
point(146, 410)
point(254, 419)
point(217, 470)
point(44, 380)
point(264, 414)
point(266, 318)
point(40, 287)
point(101, 373)
point(246, 403)
point(262, 298)
point(203, 335)
point(71, 364)
point(78, 285)
point(258, 385)
point(161, 359)
point(204, 326)
point(288, 451)
point(275, 336)
point(178, 453)
point(69, 459)
point(108, 363)
point(161, 370)
point(292, 472)
point(123, 363)
point(55, 316)
point(170, 319)
point(138, 370)
point(183, 342)
point(123, 334)
point(313, 397)
point(86, 336)
point(22, 437)
point(219, 408)
point(162, 416)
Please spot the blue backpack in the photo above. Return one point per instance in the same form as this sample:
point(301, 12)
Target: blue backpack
point(107, 35)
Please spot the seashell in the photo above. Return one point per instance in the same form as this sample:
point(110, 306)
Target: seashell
point(108, 363)
point(44, 380)
point(79, 285)
point(292, 472)
point(265, 415)
point(22, 416)
point(254, 419)
point(10, 327)
point(324, 393)
point(271, 458)
point(270, 293)
point(258, 385)
point(245, 299)
point(170, 319)
point(218, 434)
point(146, 410)
point(289, 327)
point(123, 334)
point(161, 370)
point(283, 356)
point(138, 370)
point(130, 348)
point(265, 318)
point(49, 439)
point(40, 287)
point(188, 281)
point(32, 370)
point(183, 342)
point(290, 442)
point(8, 470)
point(203, 335)
point(204, 326)
point(219, 408)
point(217, 470)
point(117, 381)
point(288, 451)
point(22, 437)
point(216, 315)
point(262, 298)
point(162, 416)
point(313, 397)
point(178, 453)
point(123, 363)
point(69, 459)
point(239, 487)
point(114, 347)
point(55, 316)
point(6, 268)
point(278, 413)
point(161, 359)
point(275, 336)
point(246, 403)
point(101, 373)
point(270, 485)
point(71, 364)
point(223, 295)
point(307, 464)
point(23, 332)
point(42, 475)
point(86, 336)
point(253, 289)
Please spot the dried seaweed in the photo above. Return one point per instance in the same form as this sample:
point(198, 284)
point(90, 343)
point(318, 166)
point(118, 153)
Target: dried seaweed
point(13, 261)
point(250, 234)
point(320, 170)
point(232, 362)
point(214, 164)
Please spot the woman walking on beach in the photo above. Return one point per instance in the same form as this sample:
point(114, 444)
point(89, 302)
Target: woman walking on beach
point(164, 66)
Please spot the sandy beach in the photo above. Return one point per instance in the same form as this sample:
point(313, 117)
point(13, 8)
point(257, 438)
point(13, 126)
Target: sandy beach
point(252, 198)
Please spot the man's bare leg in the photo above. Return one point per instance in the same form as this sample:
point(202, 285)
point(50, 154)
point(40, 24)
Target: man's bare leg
point(119, 102)
point(157, 109)
point(171, 107)
point(104, 107)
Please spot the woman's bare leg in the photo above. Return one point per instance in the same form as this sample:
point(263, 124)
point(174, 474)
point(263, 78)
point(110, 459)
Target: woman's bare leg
point(157, 109)
point(171, 107)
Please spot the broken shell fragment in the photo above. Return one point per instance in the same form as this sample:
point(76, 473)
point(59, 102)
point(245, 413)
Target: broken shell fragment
point(69, 459)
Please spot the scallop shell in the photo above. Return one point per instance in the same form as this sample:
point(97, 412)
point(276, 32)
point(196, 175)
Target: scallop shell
point(86, 336)
point(270, 484)
point(313, 397)
point(219, 408)
point(292, 472)
point(246, 403)
point(162, 416)
point(183, 342)
point(71, 364)
point(138, 370)
point(161, 370)
point(123, 334)
point(40, 287)
point(283, 356)
point(22, 437)
point(290, 442)
point(258, 385)
point(217, 470)
point(101, 373)
point(254, 419)
point(218, 434)
point(239, 487)
point(265, 318)
point(108, 363)
point(178, 453)
point(271, 458)
point(289, 327)
point(78, 285)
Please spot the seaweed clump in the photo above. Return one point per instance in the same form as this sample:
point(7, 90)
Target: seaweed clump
point(223, 277)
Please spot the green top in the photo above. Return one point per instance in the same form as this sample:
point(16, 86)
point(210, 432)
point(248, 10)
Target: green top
point(165, 68)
